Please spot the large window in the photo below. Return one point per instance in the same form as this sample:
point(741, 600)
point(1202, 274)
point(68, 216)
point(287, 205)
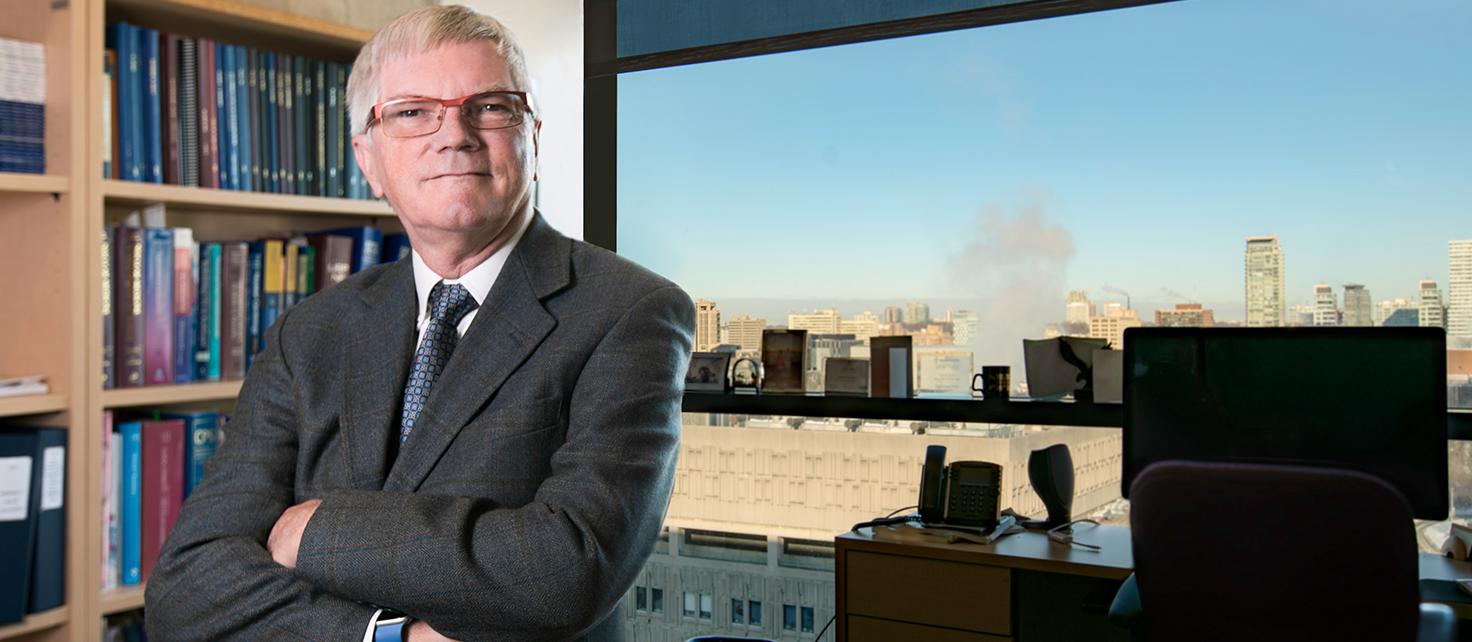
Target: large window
point(1190, 163)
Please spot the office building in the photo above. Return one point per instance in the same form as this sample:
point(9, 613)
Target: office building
point(707, 325)
point(1111, 325)
point(1459, 289)
point(893, 314)
point(1264, 282)
point(1079, 308)
point(864, 325)
point(1300, 314)
point(820, 321)
point(964, 325)
point(1403, 318)
point(1357, 309)
point(1432, 309)
point(1384, 310)
point(1185, 315)
point(746, 332)
point(1326, 306)
point(916, 313)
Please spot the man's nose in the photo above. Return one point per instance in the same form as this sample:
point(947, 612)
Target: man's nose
point(455, 130)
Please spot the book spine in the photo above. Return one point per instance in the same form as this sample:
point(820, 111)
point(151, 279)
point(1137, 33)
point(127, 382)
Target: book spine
point(220, 116)
point(299, 130)
point(230, 160)
point(268, 87)
point(283, 88)
point(163, 486)
point(334, 131)
point(169, 95)
point(203, 293)
point(273, 282)
point(254, 269)
point(131, 436)
point(158, 306)
point(234, 284)
point(257, 116)
point(153, 125)
point(288, 275)
point(48, 563)
point(201, 430)
point(306, 271)
point(209, 169)
point(188, 112)
point(185, 290)
point(242, 110)
point(216, 314)
point(109, 330)
point(131, 168)
point(319, 98)
point(109, 112)
point(129, 307)
point(109, 579)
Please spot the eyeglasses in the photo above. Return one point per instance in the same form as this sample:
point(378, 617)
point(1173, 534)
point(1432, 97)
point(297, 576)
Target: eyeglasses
point(410, 117)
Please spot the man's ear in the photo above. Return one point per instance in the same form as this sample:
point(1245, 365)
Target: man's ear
point(363, 153)
point(536, 148)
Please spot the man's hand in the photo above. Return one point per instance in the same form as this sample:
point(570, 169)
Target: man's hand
point(420, 631)
point(286, 535)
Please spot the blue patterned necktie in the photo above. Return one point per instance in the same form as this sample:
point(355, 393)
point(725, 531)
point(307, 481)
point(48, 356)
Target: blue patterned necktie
point(448, 304)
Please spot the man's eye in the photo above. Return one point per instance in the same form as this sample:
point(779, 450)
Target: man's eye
point(491, 108)
point(408, 113)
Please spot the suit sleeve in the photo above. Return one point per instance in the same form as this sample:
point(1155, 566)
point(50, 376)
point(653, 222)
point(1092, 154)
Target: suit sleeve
point(555, 567)
point(214, 579)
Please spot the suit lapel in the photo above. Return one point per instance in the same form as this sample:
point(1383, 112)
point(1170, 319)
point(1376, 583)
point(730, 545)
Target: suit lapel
point(506, 331)
point(375, 366)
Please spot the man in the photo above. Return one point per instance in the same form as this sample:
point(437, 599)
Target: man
point(481, 437)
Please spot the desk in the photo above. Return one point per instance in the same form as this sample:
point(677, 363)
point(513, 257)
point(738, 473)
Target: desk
point(897, 583)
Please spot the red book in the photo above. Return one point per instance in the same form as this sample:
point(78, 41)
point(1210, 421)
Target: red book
point(163, 485)
point(209, 163)
point(169, 96)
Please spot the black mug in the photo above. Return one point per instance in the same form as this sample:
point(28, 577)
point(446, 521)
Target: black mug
point(995, 382)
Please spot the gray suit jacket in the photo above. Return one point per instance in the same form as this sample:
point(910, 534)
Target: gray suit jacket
point(522, 506)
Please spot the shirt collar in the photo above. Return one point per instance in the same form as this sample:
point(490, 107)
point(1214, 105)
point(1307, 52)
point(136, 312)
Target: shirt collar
point(477, 281)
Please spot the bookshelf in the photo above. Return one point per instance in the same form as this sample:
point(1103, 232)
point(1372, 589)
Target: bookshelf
point(38, 183)
point(33, 405)
point(151, 396)
point(45, 621)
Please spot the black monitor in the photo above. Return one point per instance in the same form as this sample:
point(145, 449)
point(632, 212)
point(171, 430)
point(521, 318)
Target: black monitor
point(1369, 399)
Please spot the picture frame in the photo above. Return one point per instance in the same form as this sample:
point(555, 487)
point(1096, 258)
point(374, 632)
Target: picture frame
point(846, 377)
point(784, 356)
point(708, 372)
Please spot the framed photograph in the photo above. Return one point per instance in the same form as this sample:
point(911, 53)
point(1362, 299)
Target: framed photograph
point(892, 368)
point(707, 372)
point(843, 376)
point(784, 355)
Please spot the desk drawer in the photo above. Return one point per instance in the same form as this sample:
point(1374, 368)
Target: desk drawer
point(867, 629)
point(955, 595)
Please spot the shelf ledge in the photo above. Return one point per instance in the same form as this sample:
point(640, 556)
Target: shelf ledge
point(38, 622)
point(117, 191)
point(34, 183)
point(164, 395)
point(32, 404)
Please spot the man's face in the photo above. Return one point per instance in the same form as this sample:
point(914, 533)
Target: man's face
point(458, 178)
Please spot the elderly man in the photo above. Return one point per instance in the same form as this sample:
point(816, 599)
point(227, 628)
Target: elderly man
point(482, 437)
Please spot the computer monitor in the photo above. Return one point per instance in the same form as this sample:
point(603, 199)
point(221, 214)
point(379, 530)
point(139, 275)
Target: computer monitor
point(1368, 399)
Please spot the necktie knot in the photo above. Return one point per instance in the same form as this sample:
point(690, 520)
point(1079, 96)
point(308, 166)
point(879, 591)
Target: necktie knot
point(450, 302)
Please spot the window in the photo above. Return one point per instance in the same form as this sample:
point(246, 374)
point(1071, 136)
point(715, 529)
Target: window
point(656, 600)
point(789, 617)
point(807, 619)
point(707, 605)
point(754, 608)
point(640, 599)
point(692, 600)
point(738, 612)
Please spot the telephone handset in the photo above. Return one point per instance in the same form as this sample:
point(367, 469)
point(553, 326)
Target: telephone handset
point(965, 493)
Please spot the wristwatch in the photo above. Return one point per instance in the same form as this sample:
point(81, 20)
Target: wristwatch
point(389, 627)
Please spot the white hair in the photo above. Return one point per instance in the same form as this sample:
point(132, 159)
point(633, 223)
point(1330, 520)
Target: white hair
point(421, 30)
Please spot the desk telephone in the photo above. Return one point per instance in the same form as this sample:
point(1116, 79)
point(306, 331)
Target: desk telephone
point(965, 493)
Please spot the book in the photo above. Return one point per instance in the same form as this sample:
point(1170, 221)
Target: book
point(367, 242)
point(209, 164)
point(109, 334)
point(188, 92)
point(158, 306)
point(109, 112)
point(130, 501)
point(200, 430)
point(18, 464)
point(207, 314)
point(169, 98)
point(111, 468)
point(395, 246)
point(48, 494)
point(234, 287)
point(334, 258)
point(152, 115)
point(272, 289)
point(128, 308)
point(230, 113)
point(162, 486)
point(306, 271)
point(288, 275)
point(186, 276)
point(255, 277)
point(242, 110)
point(129, 123)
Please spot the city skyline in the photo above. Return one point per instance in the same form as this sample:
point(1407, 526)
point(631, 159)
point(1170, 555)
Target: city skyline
point(983, 163)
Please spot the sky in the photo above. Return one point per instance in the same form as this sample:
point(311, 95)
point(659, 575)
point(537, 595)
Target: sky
point(1123, 151)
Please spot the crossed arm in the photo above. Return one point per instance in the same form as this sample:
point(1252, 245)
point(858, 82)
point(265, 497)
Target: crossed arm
point(472, 570)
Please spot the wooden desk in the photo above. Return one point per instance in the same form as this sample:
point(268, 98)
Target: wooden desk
point(900, 583)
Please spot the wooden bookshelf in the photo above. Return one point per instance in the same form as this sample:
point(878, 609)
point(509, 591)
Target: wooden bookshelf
point(33, 404)
point(40, 183)
point(121, 600)
point(244, 24)
point(131, 192)
point(167, 395)
point(38, 622)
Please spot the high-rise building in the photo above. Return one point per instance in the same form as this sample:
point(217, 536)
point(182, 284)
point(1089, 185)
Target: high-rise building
point(1301, 314)
point(964, 324)
point(1264, 279)
point(707, 325)
point(916, 313)
point(1111, 325)
point(1185, 315)
point(1079, 308)
point(893, 314)
point(1326, 306)
point(864, 325)
point(1384, 310)
point(820, 321)
point(746, 332)
point(1432, 310)
point(1459, 289)
point(1357, 309)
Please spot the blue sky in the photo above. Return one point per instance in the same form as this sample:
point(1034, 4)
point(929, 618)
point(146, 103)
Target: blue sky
point(1137, 148)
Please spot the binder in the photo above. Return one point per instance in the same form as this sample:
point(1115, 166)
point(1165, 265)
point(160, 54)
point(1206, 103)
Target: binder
point(17, 520)
point(48, 494)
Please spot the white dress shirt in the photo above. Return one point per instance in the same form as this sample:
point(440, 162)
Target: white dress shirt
point(477, 281)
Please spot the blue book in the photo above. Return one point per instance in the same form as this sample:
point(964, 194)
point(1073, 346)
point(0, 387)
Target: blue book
point(221, 118)
point(130, 435)
point(255, 264)
point(230, 118)
point(158, 306)
point(367, 243)
point(153, 113)
point(201, 432)
point(131, 167)
point(216, 292)
point(18, 467)
point(395, 246)
point(270, 166)
point(48, 495)
point(242, 111)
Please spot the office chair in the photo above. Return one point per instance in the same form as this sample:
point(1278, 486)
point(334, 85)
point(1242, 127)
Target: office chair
point(1267, 553)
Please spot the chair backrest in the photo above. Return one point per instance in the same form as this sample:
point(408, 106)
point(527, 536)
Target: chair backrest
point(1263, 553)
